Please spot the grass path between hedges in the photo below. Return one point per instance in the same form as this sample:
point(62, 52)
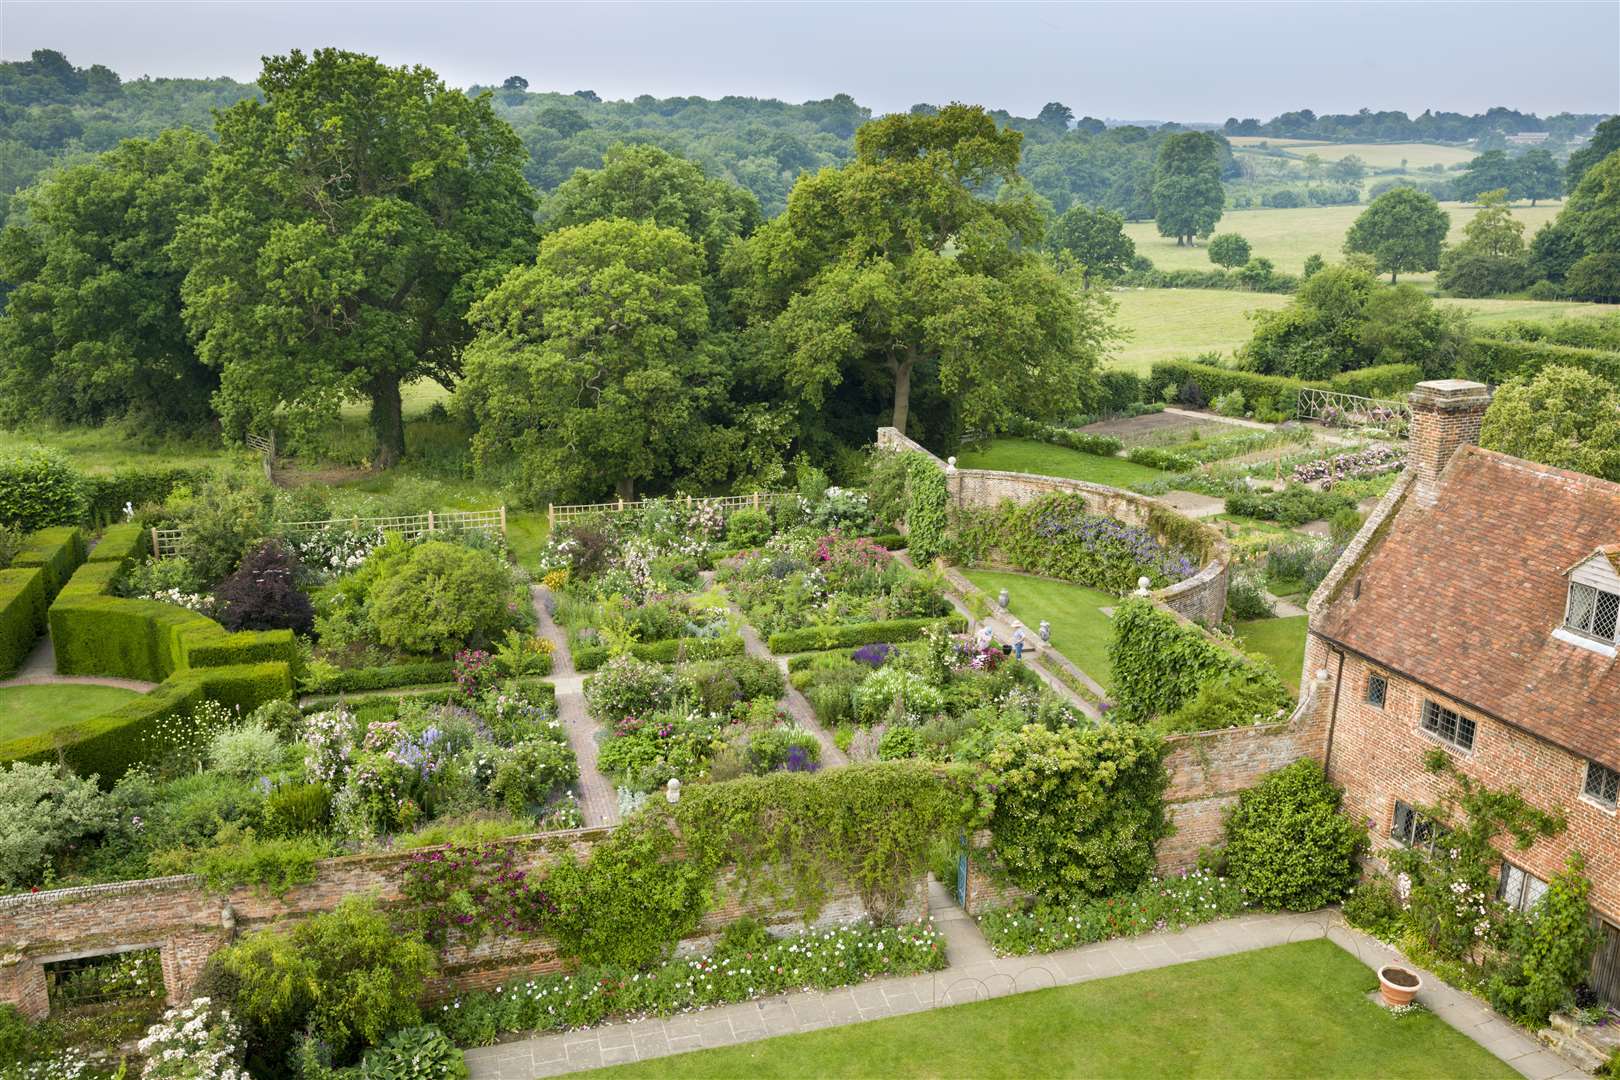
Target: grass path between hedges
point(1080, 630)
point(37, 710)
point(1281, 641)
point(1288, 1011)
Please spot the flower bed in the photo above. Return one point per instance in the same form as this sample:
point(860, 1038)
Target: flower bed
point(1369, 462)
point(744, 971)
point(1173, 903)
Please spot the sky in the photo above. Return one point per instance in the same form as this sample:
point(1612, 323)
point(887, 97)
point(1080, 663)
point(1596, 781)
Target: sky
point(1198, 61)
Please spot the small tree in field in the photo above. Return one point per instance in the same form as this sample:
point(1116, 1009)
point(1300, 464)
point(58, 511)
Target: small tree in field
point(1229, 250)
point(1403, 229)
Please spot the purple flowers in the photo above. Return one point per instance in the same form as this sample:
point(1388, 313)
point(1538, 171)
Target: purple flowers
point(798, 760)
point(874, 655)
point(1111, 539)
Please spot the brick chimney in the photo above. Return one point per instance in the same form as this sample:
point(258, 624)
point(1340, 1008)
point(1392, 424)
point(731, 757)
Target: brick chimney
point(1446, 414)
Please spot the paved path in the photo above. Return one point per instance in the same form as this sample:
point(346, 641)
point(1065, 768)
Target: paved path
point(1193, 504)
point(598, 798)
point(975, 975)
point(40, 670)
point(793, 700)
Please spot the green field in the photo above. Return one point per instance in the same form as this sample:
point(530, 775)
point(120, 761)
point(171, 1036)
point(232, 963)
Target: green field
point(1290, 1011)
point(1045, 459)
point(1168, 324)
point(1376, 155)
point(36, 710)
point(1080, 630)
point(1286, 237)
point(1282, 641)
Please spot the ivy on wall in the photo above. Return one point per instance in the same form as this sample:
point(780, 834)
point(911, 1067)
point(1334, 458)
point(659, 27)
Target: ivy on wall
point(926, 515)
point(1161, 663)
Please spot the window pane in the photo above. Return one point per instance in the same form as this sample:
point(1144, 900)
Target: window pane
point(1377, 689)
point(1604, 615)
point(1582, 602)
point(1602, 783)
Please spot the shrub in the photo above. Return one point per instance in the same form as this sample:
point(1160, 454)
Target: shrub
point(245, 752)
point(222, 521)
point(748, 528)
point(193, 1042)
point(346, 976)
point(384, 677)
point(42, 812)
point(271, 865)
point(1247, 599)
point(1173, 903)
point(1287, 845)
point(1230, 700)
point(1077, 812)
point(1374, 907)
point(529, 772)
point(1205, 381)
point(444, 597)
point(414, 1053)
point(1294, 505)
point(1160, 663)
point(1230, 403)
point(38, 488)
point(263, 593)
point(1550, 952)
point(297, 809)
point(626, 686)
point(849, 635)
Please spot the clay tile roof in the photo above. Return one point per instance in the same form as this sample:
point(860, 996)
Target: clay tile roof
point(1464, 597)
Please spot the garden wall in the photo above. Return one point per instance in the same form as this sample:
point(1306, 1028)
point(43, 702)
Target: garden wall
point(187, 923)
point(1208, 770)
point(1201, 597)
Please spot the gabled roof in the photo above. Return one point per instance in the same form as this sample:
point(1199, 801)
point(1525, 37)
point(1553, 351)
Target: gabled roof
point(1464, 596)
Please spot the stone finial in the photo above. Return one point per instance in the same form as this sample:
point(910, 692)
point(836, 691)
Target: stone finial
point(1144, 585)
point(950, 465)
point(672, 791)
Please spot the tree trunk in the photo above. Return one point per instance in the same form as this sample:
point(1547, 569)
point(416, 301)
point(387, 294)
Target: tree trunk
point(1392, 274)
point(625, 488)
point(387, 420)
point(902, 391)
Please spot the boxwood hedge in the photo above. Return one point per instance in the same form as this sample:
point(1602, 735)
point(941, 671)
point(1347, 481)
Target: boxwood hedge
point(28, 587)
point(591, 657)
point(812, 638)
point(383, 677)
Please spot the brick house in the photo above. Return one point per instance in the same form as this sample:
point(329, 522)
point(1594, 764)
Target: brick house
point(1476, 612)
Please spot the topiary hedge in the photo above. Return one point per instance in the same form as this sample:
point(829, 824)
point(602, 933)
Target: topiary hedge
point(1214, 381)
point(1490, 360)
point(382, 677)
point(667, 651)
point(538, 691)
point(36, 575)
point(135, 732)
point(850, 635)
point(119, 543)
point(1287, 845)
point(1160, 662)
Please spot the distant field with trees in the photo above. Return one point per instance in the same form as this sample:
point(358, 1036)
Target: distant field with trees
point(1414, 155)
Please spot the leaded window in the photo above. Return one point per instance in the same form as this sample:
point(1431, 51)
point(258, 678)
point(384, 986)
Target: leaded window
point(1602, 784)
point(1448, 726)
point(1592, 611)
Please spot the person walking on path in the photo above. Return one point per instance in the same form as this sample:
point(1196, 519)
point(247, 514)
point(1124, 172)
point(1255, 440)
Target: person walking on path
point(1018, 643)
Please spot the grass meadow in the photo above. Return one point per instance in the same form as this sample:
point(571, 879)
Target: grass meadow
point(1376, 155)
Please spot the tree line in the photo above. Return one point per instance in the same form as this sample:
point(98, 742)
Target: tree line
point(1391, 125)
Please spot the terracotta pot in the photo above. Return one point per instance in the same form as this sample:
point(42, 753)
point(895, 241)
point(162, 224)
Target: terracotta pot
point(1392, 985)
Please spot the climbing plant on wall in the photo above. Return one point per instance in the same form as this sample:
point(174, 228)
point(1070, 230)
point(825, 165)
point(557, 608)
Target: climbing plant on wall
point(926, 517)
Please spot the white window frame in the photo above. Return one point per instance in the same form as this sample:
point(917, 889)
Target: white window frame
point(1608, 780)
point(1589, 631)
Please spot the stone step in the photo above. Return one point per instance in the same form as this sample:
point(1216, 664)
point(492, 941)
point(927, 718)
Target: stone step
point(1573, 1048)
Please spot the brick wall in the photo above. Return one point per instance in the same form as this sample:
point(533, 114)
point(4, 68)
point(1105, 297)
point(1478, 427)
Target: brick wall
point(188, 924)
point(1377, 757)
point(1446, 414)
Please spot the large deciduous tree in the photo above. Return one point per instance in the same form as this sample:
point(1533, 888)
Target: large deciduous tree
point(92, 327)
point(1605, 141)
point(1539, 176)
point(594, 369)
point(353, 215)
point(1187, 194)
point(1403, 229)
point(1492, 258)
point(895, 269)
point(1564, 417)
point(1095, 238)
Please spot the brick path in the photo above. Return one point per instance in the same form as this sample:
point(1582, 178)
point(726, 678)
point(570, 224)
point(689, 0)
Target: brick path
point(598, 798)
point(793, 701)
point(975, 974)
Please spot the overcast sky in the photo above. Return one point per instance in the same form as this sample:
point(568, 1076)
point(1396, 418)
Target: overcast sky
point(1182, 61)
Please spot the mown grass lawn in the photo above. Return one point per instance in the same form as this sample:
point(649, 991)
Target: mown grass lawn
point(1282, 641)
point(35, 710)
point(1296, 1010)
point(1080, 630)
point(1029, 456)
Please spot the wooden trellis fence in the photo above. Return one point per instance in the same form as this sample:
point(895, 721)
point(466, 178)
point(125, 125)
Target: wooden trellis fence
point(1352, 410)
point(167, 542)
point(759, 500)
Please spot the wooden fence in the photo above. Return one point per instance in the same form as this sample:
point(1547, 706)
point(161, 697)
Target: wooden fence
point(759, 500)
point(167, 542)
point(1351, 410)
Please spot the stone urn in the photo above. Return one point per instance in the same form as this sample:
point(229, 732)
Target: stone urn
point(1398, 985)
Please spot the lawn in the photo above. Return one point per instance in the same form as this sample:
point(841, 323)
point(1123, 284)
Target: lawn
point(1289, 1011)
point(1286, 237)
point(1282, 641)
point(1170, 324)
point(1080, 630)
point(35, 710)
point(1045, 459)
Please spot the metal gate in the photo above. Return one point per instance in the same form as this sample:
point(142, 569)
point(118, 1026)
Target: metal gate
point(1605, 978)
point(962, 873)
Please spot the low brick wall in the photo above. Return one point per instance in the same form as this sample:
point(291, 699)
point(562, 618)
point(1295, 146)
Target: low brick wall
point(1201, 597)
point(187, 924)
point(1208, 770)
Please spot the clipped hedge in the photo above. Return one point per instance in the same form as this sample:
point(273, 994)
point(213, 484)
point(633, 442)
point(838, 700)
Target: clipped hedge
point(108, 493)
point(119, 543)
point(538, 690)
point(36, 575)
point(1493, 361)
point(666, 651)
point(1083, 441)
point(1378, 381)
point(134, 732)
point(852, 635)
point(1214, 381)
point(1160, 662)
point(383, 677)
